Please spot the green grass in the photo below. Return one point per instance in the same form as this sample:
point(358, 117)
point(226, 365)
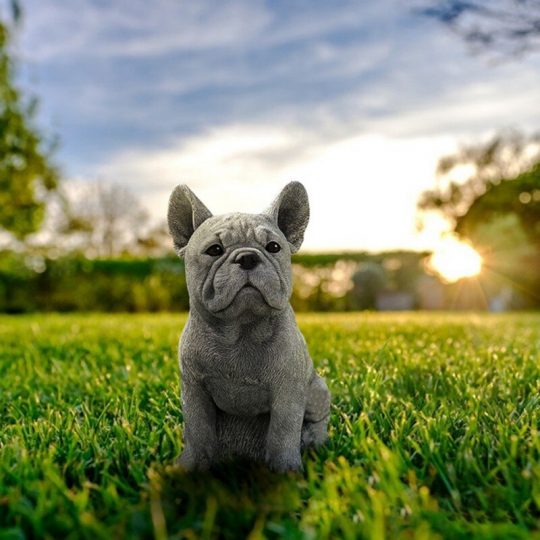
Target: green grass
point(435, 433)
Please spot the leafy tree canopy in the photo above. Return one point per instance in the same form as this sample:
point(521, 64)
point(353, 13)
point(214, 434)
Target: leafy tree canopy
point(519, 196)
point(26, 172)
point(502, 177)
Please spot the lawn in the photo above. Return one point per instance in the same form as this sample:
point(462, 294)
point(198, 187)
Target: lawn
point(435, 433)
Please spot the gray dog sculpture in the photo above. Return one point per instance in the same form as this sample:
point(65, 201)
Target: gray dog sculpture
point(249, 388)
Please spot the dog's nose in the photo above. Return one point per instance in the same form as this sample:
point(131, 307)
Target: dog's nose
point(247, 261)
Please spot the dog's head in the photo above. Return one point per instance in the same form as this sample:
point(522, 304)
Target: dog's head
point(237, 263)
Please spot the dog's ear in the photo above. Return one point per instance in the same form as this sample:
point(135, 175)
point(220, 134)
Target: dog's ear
point(186, 213)
point(290, 211)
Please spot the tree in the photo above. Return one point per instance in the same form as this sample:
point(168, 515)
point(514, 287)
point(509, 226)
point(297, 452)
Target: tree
point(102, 220)
point(155, 242)
point(486, 165)
point(519, 197)
point(505, 26)
point(27, 175)
point(497, 207)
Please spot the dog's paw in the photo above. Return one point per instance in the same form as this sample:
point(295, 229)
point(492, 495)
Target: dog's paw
point(314, 434)
point(285, 461)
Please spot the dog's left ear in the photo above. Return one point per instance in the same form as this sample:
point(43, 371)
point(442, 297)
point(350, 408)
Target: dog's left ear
point(290, 211)
point(186, 213)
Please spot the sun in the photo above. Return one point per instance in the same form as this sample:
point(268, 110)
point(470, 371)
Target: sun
point(453, 259)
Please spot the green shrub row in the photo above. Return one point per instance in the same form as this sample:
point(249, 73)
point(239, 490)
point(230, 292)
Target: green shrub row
point(77, 284)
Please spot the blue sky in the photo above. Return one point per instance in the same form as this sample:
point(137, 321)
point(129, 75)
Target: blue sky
point(355, 99)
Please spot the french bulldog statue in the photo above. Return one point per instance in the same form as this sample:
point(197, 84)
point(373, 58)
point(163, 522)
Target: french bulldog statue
point(249, 388)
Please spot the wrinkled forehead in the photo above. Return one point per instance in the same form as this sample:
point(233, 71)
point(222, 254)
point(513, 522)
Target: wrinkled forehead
point(235, 228)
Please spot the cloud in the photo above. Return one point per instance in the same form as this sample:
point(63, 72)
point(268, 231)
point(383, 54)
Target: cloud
point(127, 72)
point(115, 75)
point(363, 189)
point(135, 28)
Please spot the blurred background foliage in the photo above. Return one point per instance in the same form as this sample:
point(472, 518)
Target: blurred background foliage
point(27, 174)
point(327, 282)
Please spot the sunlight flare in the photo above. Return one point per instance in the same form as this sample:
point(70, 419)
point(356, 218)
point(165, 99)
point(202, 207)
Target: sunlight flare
point(454, 259)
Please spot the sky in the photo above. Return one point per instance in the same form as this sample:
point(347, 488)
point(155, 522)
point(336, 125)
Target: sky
point(357, 100)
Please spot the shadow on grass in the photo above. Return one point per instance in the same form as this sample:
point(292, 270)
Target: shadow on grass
point(230, 501)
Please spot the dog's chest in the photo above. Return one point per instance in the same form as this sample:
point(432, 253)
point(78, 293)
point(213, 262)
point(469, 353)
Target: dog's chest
point(243, 396)
point(238, 378)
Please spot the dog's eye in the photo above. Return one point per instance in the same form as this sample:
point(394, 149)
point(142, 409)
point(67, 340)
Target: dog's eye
point(273, 247)
point(215, 250)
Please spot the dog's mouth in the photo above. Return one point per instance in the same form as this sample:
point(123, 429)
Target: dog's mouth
point(248, 289)
point(248, 286)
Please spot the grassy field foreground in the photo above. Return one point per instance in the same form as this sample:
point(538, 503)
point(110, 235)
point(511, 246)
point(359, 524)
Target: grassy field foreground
point(435, 432)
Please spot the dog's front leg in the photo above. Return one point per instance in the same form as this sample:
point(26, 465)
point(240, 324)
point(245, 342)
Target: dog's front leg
point(284, 432)
point(200, 440)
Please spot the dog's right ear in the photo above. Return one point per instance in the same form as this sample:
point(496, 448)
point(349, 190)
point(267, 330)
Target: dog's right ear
point(186, 213)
